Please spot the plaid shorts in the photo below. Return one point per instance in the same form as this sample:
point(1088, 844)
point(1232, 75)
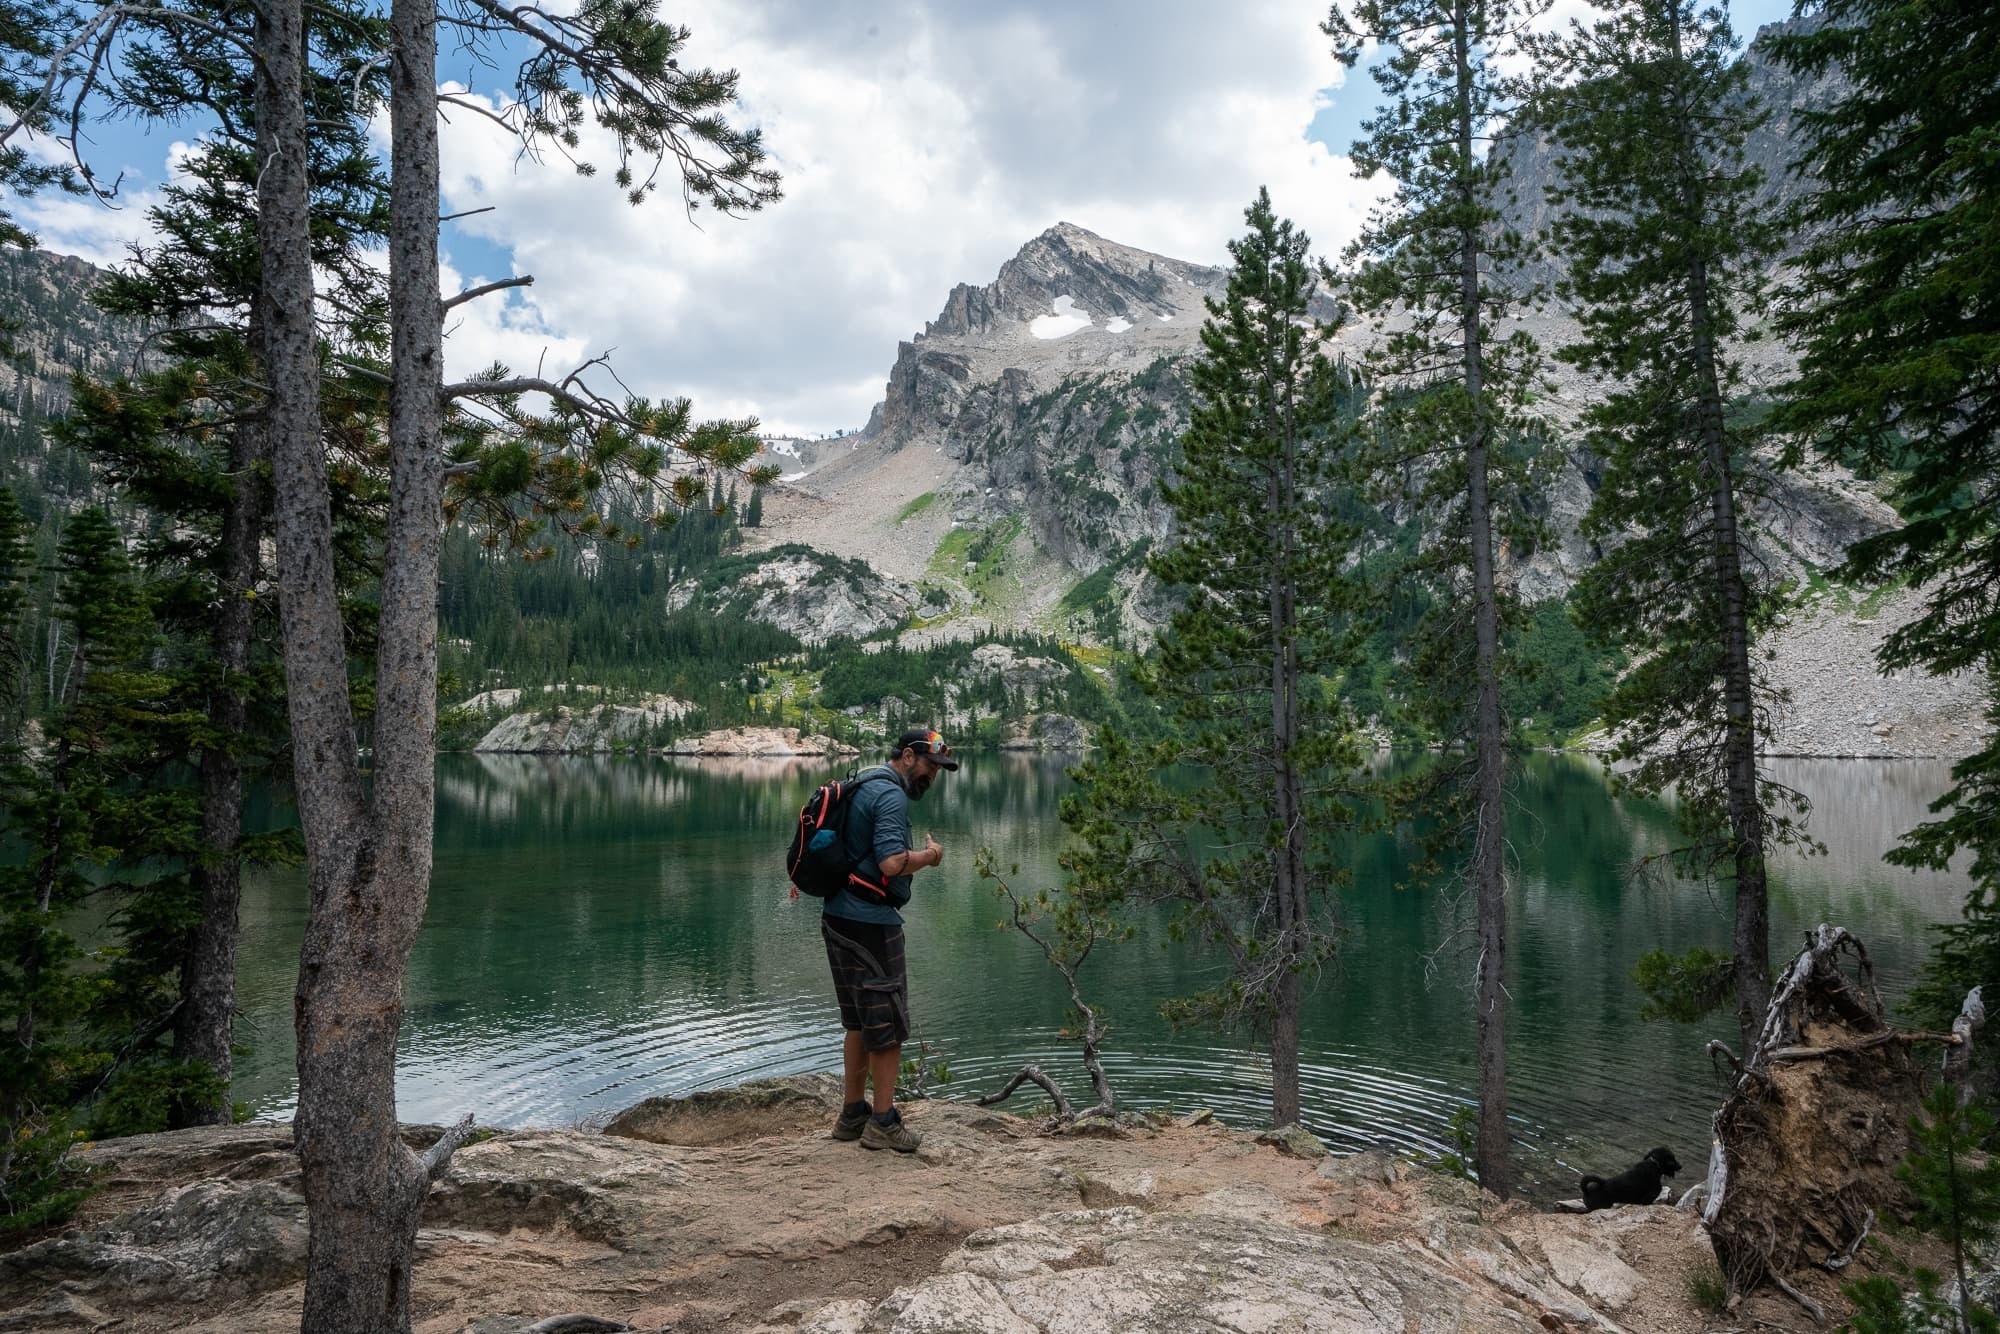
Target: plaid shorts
point(868, 980)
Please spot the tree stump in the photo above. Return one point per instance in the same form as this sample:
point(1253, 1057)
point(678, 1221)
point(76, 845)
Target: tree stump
point(1807, 1144)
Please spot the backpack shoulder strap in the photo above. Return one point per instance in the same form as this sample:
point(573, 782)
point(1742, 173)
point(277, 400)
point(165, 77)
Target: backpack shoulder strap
point(854, 784)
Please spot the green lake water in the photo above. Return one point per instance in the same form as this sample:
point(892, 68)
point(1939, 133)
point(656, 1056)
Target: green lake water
point(604, 930)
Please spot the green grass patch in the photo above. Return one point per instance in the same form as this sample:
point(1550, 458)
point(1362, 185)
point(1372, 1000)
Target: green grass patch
point(916, 507)
point(1089, 590)
point(1706, 1289)
point(1877, 596)
point(978, 557)
point(948, 561)
point(1092, 655)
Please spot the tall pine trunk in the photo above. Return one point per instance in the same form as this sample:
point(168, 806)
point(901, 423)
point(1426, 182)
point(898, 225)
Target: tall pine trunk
point(205, 1028)
point(1487, 867)
point(1289, 889)
point(1751, 945)
point(367, 867)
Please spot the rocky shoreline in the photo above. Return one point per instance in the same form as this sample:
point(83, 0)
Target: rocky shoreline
point(733, 1210)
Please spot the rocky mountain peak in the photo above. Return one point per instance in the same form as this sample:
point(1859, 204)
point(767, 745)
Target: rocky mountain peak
point(1069, 274)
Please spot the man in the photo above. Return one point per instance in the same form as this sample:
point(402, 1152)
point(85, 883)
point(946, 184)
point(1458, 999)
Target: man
point(864, 935)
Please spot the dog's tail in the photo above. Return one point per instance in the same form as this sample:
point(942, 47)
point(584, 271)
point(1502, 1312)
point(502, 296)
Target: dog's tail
point(1592, 1187)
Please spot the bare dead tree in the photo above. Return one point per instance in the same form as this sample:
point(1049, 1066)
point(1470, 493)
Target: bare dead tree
point(1065, 930)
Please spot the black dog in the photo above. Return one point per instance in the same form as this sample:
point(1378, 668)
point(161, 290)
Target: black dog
point(1638, 1184)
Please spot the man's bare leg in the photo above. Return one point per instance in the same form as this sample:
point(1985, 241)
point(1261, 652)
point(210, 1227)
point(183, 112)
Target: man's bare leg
point(883, 1067)
point(853, 1068)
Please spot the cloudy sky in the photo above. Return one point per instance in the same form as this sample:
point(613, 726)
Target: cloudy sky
point(922, 142)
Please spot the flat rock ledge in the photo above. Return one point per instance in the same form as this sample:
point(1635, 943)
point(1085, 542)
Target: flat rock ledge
point(733, 1210)
point(758, 742)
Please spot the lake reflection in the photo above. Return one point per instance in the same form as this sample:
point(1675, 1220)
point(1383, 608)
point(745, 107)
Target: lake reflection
point(602, 930)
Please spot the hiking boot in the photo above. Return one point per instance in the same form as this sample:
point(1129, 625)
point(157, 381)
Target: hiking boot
point(895, 1136)
point(849, 1126)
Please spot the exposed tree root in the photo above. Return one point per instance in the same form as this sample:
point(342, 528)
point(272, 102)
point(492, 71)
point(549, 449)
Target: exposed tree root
point(1807, 1143)
point(1813, 1308)
point(1031, 1074)
point(1836, 1263)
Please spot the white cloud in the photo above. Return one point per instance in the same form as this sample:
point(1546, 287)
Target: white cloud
point(921, 146)
point(922, 142)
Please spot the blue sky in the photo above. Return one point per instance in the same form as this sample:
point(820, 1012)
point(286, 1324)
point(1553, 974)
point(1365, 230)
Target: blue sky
point(922, 141)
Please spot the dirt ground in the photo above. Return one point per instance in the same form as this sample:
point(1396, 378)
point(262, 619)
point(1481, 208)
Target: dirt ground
point(757, 1220)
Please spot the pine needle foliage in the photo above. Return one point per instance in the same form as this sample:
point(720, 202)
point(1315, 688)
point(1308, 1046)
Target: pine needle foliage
point(1667, 243)
point(1896, 314)
point(1454, 438)
point(1954, 1183)
point(1234, 821)
point(85, 1009)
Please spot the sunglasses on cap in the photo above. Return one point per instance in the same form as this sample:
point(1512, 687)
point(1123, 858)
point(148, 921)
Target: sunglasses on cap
point(934, 749)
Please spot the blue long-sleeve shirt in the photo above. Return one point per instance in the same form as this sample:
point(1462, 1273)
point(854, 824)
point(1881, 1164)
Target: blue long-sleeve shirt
point(878, 827)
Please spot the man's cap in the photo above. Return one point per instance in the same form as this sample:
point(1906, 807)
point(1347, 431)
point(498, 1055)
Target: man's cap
point(924, 741)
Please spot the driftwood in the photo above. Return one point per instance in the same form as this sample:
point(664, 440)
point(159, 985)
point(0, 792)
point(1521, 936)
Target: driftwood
point(1805, 1148)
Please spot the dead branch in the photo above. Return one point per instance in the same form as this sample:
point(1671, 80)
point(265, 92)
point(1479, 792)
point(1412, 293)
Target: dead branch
point(1836, 1263)
point(1031, 1074)
point(1846, 1048)
point(1093, 1029)
point(1812, 1307)
point(1958, 1057)
point(436, 1158)
point(473, 294)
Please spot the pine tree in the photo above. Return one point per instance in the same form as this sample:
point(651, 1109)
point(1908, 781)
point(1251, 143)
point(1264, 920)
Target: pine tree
point(1245, 854)
point(368, 845)
point(85, 1028)
point(184, 442)
point(1437, 263)
point(1896, 314)
point(1666, 245)
point(1954, 1185)
point(754, 516)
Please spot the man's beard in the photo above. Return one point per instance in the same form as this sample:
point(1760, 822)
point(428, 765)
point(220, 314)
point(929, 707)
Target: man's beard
point(920, 784)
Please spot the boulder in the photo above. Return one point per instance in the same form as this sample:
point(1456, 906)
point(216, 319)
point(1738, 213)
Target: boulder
point(1370, 1167)
point(1016, 670)
point(176, 1156)
point(582, 728)
point(818, 597)
point(1099, 1271)
point(200, 1241)
point(1047, 732)
point(758, 742)
point(787, 1105)
point(590, 1185)
point(1294, 1140)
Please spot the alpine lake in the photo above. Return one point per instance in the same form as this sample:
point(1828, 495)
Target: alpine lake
point(603, 930)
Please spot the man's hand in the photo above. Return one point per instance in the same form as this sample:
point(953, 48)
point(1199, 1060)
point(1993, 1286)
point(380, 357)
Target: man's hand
point(914, 859)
